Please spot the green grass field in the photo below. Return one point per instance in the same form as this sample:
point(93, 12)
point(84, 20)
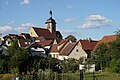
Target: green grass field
point(76, 76)
point(98, 75)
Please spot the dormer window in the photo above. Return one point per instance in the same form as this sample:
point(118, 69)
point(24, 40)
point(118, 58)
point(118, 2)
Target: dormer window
point(37, 40)
point(26, 43)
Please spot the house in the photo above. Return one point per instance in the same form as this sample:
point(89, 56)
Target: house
point(37, 50)
point(67, 49)
point(11, 37)
point(88, 46)
point(105, 39)
point(24, 42)
point(3, 49)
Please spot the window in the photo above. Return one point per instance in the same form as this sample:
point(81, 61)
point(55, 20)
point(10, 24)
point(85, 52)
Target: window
point(26, 43)
point(8, 42)
point(56, 55)
point(77, 50)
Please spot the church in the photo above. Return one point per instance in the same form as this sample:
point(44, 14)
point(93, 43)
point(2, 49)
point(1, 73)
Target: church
point(48, 33)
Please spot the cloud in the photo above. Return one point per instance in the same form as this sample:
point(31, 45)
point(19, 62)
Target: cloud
point(10, 23)
point(70, 19)
point(6, 29)
point(70, 32)
point(25, 2)
point(95, 21)
point(69, 6)
point(16, 29)
point(25, 27)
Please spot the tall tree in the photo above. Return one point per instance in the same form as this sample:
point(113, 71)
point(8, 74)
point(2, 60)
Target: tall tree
point(17, 56)
point(102, 56)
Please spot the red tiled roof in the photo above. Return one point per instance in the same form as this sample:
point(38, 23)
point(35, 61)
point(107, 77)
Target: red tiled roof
point(54, 48)
point(68, 48)
point(106, 39)
point(15, 36)
point(45, 43)
point(24, 42)
point(59, 35)
point(63, 41)
point(34, 44)
point(88, 44)
point(44, 32)
point(26, 35)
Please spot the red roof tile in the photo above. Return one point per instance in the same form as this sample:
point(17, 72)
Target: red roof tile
point(68, 48)
point(58, 34)
point(34, 44)
point(44, 32)
point(45, 43)
point(54, 48)
point(106, 39)
point(24, 42)
point(88, 44)
point(26, 35)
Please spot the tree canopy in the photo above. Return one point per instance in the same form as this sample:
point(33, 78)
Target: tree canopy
point(71, 37)
point(108, 54)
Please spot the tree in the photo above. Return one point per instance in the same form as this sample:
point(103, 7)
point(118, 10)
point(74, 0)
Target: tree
point(3, 62)
point(71, 37)
point(108, 54)
point(102, 56)
point(17, 57)
point(115, 65)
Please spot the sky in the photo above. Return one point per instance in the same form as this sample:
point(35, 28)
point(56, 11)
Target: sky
point(81, 18)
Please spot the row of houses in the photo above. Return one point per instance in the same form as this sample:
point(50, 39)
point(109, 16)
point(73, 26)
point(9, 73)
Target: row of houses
point(61, 49)
point(49, 41)
point(57, 48)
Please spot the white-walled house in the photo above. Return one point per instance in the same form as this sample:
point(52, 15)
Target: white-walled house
point(36, 50)
point(67, 49)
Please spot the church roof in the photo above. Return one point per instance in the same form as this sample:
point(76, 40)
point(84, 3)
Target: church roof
point(44, 32)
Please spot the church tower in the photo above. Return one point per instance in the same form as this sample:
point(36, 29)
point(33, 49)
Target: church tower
point(51, 24)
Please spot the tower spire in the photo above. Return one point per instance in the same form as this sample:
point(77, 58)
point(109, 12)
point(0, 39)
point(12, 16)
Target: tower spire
point(50, 14)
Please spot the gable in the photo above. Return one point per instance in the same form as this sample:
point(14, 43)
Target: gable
point(77, 52)
point(44, 32)
point(32, 32)
point(68, 48)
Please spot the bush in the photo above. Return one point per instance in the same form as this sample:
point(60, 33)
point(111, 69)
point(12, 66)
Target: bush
point(49, 74)
point(115, 65)
point(40, 74)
